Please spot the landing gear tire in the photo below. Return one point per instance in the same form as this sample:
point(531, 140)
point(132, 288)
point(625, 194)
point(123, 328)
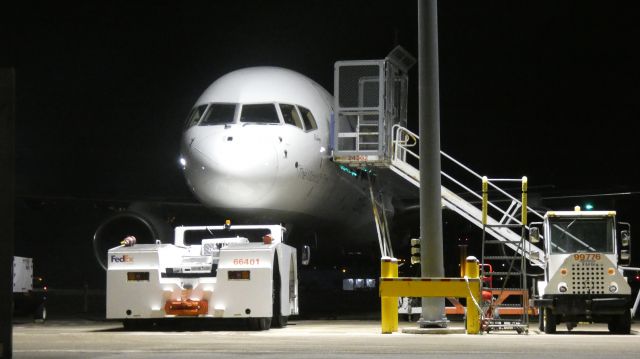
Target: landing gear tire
point(549, 321)
point(621, 324)
point(133, 324)
point(259, 323)
point(40, 314)
point(541, 319)
point(139, 324)
point(278, 320)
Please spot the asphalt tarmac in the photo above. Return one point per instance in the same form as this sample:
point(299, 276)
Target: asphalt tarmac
point(311, 339)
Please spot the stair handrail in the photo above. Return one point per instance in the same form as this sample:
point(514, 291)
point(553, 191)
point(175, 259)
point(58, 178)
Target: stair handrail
point(403, 140)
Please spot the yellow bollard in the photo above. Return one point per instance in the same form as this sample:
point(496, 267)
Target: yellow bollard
point(473, 314)
point(389, 306)
point(472, 267)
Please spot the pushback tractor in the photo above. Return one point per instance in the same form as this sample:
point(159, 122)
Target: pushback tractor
point(584, 274)
point(241, 271)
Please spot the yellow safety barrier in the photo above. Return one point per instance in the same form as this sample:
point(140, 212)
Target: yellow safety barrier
point(391, 288)
point(389, 306)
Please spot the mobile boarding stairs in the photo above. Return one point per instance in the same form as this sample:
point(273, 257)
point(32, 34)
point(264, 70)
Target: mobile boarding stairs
point(368, 131)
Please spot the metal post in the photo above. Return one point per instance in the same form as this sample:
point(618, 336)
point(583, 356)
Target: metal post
point(430, 193)
point(523, 263)
point(525, 185)
point(7, 112)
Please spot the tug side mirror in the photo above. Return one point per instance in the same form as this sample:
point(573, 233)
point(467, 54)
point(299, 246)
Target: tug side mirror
point(625, 256)
point(625, 244)
point(534, 235)
point(625, 239)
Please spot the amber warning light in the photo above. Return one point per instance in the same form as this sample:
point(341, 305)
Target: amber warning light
point(137, 276)
point(239, 275)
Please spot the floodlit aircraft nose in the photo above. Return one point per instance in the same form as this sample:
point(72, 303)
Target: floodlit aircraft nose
point(232, 170)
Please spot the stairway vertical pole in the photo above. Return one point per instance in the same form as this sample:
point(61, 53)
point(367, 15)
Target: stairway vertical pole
point(430, 192)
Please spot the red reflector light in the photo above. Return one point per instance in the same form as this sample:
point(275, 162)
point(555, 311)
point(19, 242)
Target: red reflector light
point(137, 276)
point(239, 275)
point(186, 307)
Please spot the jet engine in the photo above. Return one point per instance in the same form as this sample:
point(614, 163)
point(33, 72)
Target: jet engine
point(137, 221)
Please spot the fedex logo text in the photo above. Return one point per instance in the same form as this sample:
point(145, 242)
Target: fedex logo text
point(123, 259)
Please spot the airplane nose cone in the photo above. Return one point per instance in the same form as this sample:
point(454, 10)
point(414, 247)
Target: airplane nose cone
point(232, 171)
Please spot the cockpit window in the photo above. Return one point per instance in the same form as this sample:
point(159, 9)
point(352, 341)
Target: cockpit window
point(260, 113)
point(290, 115)
point(194, 115)
point(219, 114)
point(309, 120)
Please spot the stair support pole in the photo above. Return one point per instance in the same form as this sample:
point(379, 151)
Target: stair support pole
point(431, 256)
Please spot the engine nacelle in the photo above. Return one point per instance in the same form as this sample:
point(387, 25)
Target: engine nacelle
point(144, 226)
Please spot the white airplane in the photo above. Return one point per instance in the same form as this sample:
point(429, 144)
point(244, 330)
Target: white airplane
point(256, 147)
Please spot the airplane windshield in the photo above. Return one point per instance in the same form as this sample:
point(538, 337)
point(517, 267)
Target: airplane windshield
point(194, 115)
point(219, 114)
point(309, 120)
point(290, 115)
point(259, 113)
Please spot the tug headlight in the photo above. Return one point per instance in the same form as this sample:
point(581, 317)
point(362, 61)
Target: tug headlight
point(562, 287)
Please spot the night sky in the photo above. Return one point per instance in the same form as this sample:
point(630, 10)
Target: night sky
point(548, 90)
point(545, 89)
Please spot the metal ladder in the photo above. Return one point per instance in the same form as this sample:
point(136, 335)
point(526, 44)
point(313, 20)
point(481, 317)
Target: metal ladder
point(516, 270)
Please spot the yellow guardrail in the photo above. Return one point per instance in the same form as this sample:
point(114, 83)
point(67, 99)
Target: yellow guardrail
point(392, 287)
